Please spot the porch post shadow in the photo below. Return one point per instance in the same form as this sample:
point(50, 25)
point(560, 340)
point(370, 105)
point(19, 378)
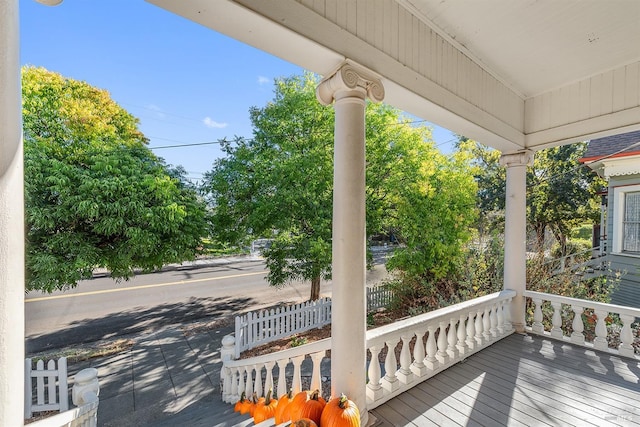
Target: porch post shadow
point(515, 231)
point(12, 277)
point(347, 88)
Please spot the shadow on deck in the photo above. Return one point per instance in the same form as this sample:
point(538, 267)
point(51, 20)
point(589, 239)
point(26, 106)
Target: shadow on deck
point(524, 381)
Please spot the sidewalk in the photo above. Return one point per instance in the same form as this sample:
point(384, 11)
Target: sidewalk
point(170, 377)
point(161, 375)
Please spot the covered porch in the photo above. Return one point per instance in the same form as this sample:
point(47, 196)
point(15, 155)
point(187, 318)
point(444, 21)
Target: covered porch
point(517, 77)
point(524, 380)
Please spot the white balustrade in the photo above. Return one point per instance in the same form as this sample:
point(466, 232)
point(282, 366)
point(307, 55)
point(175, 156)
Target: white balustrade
point(238, 375)
point(452, 332)
point(601, 333)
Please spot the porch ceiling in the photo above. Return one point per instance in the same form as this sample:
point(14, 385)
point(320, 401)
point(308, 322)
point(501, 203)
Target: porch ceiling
point(524, 74)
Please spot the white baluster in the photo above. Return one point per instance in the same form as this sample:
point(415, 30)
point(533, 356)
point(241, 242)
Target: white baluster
point(226, 385)
point(316, 379)
point(471, 331)
point(268, 382)
point(452, 339)
point(486, 324)
point(442, 355)
point(479, 328)
point(501, 328)
point(431, 362)
point(462, 335)
point(626, 336)
point(257, 387)
point(248, 387)
point(417, 367)
point(404, 373)
point(556, 321)
point(390, 381)
point(241, 382)
point(282, 377)
point(578, 326)
point(235, 377)
point(493, 318)
point(296, 384)
point(374, 388)
point(537, 326)
point(506, 313)
point(600, 342)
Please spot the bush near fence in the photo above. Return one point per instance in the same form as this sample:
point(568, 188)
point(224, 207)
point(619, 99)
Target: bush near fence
point(256, 328)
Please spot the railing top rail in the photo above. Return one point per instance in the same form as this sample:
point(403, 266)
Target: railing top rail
point(620, 309)
point(314, 347)
point(447, 313)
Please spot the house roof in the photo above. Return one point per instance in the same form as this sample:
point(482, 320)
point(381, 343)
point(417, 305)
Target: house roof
point(621, 145)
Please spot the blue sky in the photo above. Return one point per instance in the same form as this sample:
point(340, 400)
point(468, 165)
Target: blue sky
point(187, 84)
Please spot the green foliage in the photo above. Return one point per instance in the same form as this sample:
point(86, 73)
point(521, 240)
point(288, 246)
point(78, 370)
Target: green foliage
point(435, 210)
point(561, 193)
point(279, 185)
point(297, 341)
point(95, 195)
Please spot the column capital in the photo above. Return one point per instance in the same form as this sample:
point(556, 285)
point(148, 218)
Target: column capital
point(350, 77)
point(517, 158)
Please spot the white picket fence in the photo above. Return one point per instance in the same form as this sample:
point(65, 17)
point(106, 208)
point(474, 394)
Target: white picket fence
point(260, 327)
point(49, 384)
point(378, 297)
point(256, 328)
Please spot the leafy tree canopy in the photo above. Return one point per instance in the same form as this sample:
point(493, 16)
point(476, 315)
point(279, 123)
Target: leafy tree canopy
point(96, 196)
point(279, 185)
point(560, 190)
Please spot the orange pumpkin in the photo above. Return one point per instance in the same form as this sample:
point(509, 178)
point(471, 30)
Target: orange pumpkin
point(282, 411)
point(313, 407)
point(265, 409)
point(238, 405)
point(245, 404)
point(304, 422)
point(340, 412)
point(254, 402)
point(296, 404)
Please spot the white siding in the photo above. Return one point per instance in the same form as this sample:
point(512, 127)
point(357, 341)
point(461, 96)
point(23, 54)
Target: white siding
point(388, 27)
point(604, 94)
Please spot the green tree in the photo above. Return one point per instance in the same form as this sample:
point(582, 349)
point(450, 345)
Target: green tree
point(96, 196)
point(279, 185)
point(560, 191)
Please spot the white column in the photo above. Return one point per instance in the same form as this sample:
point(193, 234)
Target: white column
point(515, 231)
point(349, 87)
point(11, 222)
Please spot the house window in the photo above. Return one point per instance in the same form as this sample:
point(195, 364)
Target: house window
point(631, 222)
point(625, 220)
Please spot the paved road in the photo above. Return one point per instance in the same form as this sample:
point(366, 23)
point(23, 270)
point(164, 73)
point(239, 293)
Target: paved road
point(101, 309)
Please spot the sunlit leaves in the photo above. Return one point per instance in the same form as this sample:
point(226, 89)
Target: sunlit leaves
point(95, 195)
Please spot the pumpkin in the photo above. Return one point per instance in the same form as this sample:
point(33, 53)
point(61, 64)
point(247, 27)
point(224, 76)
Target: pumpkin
point(238, 405)
point(296, 404)
point(282, 411)
point(245, 404)
point(304, 422)
point(340, 412)
point(313, 407)
point(265, 409)
point(254, 402)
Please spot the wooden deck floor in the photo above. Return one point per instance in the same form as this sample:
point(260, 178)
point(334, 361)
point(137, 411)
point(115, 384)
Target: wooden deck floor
point(524, 381)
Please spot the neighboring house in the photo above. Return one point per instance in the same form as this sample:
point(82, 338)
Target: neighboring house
point(617, 158)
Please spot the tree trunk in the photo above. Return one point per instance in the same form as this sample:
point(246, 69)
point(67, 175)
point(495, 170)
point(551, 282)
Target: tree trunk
point(315, 289)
